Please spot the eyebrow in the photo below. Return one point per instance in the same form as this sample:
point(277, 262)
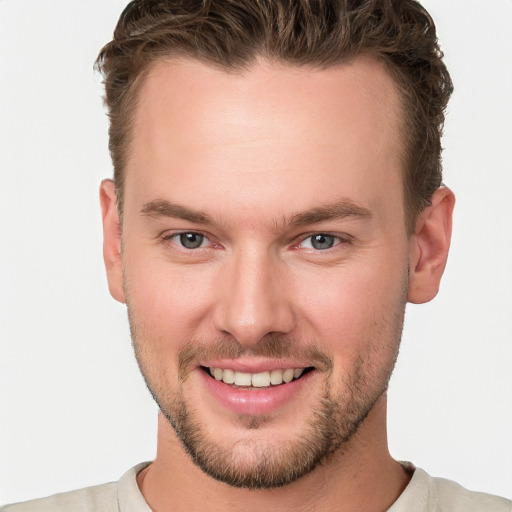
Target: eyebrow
point(334, 211)
point(164, 208)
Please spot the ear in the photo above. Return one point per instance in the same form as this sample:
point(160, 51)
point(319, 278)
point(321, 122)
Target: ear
point(429, 247)
point(112, 239)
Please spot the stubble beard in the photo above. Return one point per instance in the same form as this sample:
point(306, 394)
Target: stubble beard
point(257, 464)
point(271, 464)
point(333, 422)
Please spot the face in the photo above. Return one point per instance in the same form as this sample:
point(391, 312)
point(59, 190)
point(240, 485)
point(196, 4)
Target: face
point(265, 259)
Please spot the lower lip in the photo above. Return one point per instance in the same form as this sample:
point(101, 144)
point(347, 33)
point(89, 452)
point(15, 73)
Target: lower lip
point(254, 401)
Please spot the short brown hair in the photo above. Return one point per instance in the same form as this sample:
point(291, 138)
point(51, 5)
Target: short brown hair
point(231, 34)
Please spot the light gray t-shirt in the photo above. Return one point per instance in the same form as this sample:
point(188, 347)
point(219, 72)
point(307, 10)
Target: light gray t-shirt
point(423, 494)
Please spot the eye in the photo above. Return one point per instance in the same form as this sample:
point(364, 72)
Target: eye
point(320, 242)
point(190, 240)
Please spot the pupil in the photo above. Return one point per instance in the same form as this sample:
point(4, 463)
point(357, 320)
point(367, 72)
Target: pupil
point(322, 241)
point(191, 240)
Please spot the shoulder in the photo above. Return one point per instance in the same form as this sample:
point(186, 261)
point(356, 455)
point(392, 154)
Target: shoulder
point(427, 494)
point(98, 498)
point(113, 497)
point(451, 496)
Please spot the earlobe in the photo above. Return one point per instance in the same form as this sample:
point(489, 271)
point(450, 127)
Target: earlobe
point(429, 247)
point(112, 240)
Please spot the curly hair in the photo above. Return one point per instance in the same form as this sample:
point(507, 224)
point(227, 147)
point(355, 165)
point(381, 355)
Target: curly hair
point(231, 34)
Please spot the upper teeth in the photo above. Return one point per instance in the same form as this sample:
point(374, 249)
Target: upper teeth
point(257, 380)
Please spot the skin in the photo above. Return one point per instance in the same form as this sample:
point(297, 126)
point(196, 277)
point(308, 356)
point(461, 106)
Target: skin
point(252, 152)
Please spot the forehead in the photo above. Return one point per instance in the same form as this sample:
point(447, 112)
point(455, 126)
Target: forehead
point(182, 90)
point(274, 126)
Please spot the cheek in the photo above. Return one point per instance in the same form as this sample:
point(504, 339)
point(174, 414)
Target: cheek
point(350, 309)
point(167, 302)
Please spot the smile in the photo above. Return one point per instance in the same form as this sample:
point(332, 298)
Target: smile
point(262, 391)
point(256, 380)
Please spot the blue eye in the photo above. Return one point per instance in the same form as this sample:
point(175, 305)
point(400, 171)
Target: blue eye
point(320, 242)
point(191, 240)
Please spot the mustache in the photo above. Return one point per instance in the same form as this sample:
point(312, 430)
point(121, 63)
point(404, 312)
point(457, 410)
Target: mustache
point(271, 346)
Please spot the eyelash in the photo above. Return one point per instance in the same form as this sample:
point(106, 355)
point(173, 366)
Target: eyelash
point(171, 236)
point(338, 240)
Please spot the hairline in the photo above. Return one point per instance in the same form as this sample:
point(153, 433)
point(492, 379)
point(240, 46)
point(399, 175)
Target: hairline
point(401, 118)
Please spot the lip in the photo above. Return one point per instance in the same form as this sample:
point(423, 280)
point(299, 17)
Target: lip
point(255, 401)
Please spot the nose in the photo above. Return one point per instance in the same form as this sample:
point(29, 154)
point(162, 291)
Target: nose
point(253, 298)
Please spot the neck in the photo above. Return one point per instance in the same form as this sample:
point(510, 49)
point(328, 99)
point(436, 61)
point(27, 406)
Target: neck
point(359, 476)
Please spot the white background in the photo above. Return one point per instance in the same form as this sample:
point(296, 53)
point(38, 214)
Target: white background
point(74, 410)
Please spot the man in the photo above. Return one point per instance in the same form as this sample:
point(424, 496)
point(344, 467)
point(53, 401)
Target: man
point(277, 200)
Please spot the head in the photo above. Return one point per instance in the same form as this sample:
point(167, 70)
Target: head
point(276, 203)
point(233, 34)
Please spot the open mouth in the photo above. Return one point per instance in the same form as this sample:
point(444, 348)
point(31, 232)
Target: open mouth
point(257, 380)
